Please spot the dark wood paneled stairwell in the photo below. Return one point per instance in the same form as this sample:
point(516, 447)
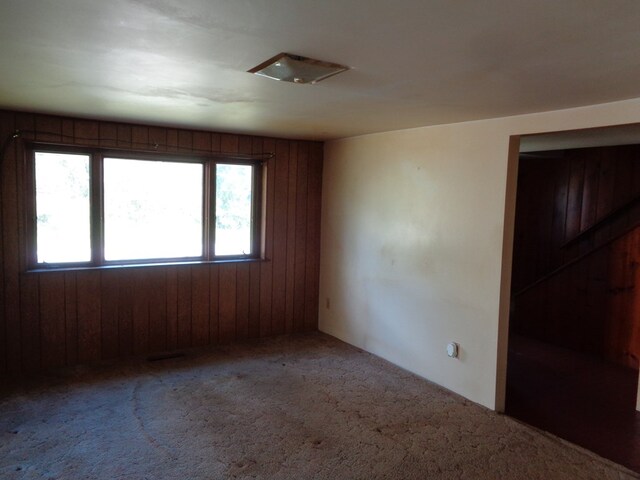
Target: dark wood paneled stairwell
point(577, 251)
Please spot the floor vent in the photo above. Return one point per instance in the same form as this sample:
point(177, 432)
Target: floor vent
point(165, 356)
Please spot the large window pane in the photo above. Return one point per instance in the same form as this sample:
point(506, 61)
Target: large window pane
point(233, 209)
point(63, 212)
point(152, 209)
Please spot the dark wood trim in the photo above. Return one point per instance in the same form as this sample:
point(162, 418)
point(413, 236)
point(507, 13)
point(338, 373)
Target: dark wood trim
point(208, 210)
point(257, 212)
point(97, 210)
point(97, 156)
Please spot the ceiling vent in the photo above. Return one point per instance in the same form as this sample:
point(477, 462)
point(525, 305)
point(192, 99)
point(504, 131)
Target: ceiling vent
point(297, 69)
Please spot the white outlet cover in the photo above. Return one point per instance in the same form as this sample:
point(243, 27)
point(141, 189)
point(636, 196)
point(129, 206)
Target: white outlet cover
point(452, 350)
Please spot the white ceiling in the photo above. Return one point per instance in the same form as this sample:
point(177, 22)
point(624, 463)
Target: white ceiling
point(414, 62)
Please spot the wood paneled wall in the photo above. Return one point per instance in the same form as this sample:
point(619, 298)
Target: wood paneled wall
point(54, 319)
point(569, 202)
point(577, 215)
point(592, 306)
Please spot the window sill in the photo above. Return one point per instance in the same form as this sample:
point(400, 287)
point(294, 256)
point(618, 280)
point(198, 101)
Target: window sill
point(146, 265)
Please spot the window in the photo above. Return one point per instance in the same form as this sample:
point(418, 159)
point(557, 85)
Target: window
point(152, 209)
point(96, 207)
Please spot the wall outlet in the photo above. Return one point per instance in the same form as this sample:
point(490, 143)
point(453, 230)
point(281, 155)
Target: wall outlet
point(452, 350)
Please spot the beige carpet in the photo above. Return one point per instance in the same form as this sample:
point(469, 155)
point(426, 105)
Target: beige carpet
point(288, 408)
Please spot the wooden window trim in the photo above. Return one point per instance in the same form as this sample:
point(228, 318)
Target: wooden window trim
point(97, 155)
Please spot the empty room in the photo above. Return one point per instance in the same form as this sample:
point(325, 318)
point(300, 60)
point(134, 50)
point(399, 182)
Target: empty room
point(299, 239)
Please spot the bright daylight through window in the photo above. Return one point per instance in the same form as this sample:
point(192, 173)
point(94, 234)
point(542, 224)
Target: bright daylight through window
point(233, 209)
point(94, 208)
point(63, 206)
point(152, 209)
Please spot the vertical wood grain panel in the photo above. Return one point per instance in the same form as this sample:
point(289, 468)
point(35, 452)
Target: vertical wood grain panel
point(606, 182)
point(172, 307)
point(216, 142)
point(57, 318)
point(589, 192)
point(622, 190)
point(229, 143)
point(214, 303)
point(184, 307)
point(86, 132)
point(48, 128)
point(291, 236)
point(202, 141)
point(623, 176)
point(140, 137)
point(545, 219)
point(227, 302)
point(9, 325)
point(245, 144)
point(18, 345)
point(124, 136)
point(71, 317)
point(108, 134)
point(634, 304)
point(15, 258)
point(580, 281)
point(141, 300)
point(254, 300)
point(559, 219)
point(67, 130)
point(523, 256)
point(635, 157)
point(23, 122)
point(109, 314)
point(3, 319)
point(89, 289)
point(172, 140)
point(185, 140)
point(574, 200)
point(266, 268)
point(243, 272)
point(157, 309)
point(538, 214)
point(598, 271)
point(242, 300)
point(30, 323)
point(126, 294)
point(158, 138)
point(301, 237)
point(312, 268)
point(280, 237)
point(255, 272)
point(200, 304)
point(617, 325)
point(605, 195)
point(52, 320)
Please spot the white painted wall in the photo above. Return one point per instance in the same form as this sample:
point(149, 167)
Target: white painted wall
point(412, 243)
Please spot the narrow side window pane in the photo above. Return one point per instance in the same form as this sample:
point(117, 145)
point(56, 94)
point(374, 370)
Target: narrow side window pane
point(152, 209)
point(63, 214)
point(233, 209)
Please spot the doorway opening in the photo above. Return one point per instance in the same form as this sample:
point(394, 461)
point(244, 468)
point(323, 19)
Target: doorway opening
point(574, 321)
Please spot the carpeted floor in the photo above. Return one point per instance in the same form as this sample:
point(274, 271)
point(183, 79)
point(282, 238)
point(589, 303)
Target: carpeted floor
point(303, 407)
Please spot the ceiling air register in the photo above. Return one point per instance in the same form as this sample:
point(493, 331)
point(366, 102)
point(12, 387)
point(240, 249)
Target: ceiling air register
point(297, 69)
